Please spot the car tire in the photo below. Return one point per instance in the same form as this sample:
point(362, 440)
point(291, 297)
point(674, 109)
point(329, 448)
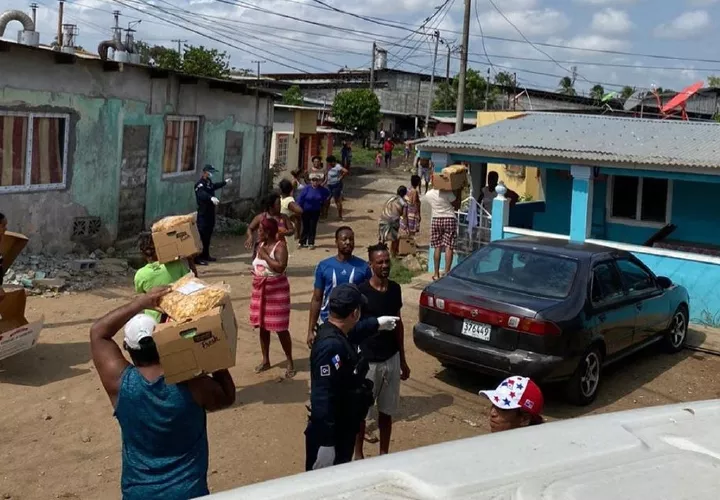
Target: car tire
point(583, 387)
point(675, 337)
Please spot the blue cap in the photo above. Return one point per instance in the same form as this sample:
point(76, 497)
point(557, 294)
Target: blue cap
point(345, 298)
point(209, 168)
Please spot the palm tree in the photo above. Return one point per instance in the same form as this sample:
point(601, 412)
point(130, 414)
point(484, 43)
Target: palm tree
point(627, 91)
point(597, 92)
point(505, 79)
point(567, 86)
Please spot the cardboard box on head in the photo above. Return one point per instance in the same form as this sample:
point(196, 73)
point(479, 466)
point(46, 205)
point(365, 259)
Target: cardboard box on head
point(16, 334)
point(178, 242)
point(200, 345)
point(451, 178)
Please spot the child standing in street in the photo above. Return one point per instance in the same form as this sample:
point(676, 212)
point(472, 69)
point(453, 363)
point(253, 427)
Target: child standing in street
point(378, 158)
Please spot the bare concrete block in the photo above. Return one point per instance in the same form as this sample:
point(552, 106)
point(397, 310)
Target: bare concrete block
point(83, 264)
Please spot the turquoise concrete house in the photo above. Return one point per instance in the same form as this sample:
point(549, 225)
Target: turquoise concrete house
point(651, 187)
point(94, 151)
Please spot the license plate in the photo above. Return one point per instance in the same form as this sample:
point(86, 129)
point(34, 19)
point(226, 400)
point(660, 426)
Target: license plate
point(476, 330)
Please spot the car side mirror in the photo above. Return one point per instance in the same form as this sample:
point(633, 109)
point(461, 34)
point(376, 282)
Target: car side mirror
point(664, 282)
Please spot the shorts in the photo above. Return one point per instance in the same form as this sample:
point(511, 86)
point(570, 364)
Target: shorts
point(388, 157)
point(336, 190)
point(443, 232)
point(424, 173)
point(385, 376)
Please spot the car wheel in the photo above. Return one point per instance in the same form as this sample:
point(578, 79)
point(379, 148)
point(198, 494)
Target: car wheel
point(676, 336)
point(585, 382)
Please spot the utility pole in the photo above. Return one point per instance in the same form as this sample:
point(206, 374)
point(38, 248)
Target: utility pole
point(61, 8)
point(179, 43)
point(447, 65)
point(263, 176)
point(460, 109)
point(487, 89)
point(372, 66)
point(432, 84)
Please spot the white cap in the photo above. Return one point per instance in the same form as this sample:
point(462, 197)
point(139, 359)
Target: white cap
point(138, 328)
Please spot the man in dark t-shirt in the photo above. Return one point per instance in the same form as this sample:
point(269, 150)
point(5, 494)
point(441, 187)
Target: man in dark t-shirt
point(384, 353)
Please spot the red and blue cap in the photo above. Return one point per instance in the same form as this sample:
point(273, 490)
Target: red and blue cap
point(517, 393)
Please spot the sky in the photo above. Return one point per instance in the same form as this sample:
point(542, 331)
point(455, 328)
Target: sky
point(640, 43)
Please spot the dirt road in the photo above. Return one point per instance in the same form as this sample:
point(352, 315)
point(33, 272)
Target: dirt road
point(60, 440)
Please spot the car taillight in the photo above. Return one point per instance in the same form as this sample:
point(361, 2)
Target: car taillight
point(432, 302)
point(490, 317)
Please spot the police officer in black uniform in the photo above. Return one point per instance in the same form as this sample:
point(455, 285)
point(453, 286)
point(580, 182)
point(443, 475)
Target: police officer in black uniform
point(340, 395)
point(206, 203)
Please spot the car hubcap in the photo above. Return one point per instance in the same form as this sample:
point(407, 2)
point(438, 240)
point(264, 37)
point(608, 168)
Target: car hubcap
point(678, 330)
point(591, 377)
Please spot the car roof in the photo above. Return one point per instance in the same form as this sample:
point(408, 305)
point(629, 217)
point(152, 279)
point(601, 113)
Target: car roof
point(580, 251)
point(649, 453)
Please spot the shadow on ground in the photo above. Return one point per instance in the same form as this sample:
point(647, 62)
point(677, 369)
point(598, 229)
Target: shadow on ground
point(45, 364)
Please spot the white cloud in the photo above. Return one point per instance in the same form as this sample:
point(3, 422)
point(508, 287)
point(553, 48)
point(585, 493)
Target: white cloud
point(531, 23)
point(597, 42)
point(607, 2)
point(702, 3)
point(611, 21)
point(687, 25)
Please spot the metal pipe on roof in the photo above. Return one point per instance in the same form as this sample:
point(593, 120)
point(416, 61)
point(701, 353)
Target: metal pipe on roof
point(105, 45)
point(15, 15)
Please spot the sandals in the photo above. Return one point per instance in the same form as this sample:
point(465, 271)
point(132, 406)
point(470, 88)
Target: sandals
point(262, 367)
point(290, 373)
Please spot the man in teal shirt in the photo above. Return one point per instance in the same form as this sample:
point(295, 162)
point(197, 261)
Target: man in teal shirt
point(154, 274)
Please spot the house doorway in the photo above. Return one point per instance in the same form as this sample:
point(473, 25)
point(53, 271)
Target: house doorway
point(133, 181)
point(303, 154)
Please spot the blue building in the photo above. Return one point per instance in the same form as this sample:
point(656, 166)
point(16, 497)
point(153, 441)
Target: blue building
point(651, 187)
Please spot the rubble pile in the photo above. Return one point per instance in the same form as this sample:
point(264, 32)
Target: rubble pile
point(51, 276)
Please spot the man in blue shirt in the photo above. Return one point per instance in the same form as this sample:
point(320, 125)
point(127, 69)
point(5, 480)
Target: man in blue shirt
point(331, 272)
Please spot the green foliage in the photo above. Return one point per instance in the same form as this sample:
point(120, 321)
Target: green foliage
point(505, 78)
point(475, 89)
point(627, 91)
point(567, 86)
point(293, 96)
point(210, 63)
point(713, 81)
point(525, 198)
point(197, 61)
point(597, 92)
point(399, 273)
point(357, 111)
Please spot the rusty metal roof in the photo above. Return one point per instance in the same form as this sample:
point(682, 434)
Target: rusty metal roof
point(591, 138)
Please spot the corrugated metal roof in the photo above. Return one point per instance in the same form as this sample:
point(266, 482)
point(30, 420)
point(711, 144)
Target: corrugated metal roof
point(599, 139)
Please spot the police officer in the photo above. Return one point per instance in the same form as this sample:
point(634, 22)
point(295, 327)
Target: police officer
point(340, 395)
point(206, 202)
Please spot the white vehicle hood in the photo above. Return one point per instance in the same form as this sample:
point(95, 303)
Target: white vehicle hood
point(666, 452)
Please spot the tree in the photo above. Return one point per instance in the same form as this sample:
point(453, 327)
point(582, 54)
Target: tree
point(713, 81)
point(567, 86)
point(357, 110)
point(200, 61)
point(293, 96)
point(627, 91)
point(597, 92)
point(504, 78)
point(476, 88)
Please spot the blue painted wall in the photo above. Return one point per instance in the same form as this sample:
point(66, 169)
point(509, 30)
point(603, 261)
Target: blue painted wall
point(558, 194)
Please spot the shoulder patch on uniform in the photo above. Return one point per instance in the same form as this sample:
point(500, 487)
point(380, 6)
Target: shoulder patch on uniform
point(336, 361)
point(325, 371)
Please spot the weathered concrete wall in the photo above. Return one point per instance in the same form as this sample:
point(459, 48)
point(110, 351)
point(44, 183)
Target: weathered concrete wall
point(101, 103)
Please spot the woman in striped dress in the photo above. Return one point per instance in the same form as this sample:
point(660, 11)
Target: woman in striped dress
point(270, 300)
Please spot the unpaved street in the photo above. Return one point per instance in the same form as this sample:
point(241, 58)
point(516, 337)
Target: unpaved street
point(60, 440)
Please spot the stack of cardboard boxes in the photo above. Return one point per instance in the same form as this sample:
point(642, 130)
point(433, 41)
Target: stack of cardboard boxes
point(201, 334)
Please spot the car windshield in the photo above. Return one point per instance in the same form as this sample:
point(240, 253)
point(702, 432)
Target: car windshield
point(519, 270)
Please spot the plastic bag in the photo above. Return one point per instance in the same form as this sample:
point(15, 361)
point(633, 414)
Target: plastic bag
point(191, 296)
point(167, 223)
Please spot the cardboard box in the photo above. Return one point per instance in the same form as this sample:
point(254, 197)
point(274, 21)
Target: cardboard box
point(201, 345)
point(16, 334)
point(407, 246)
point(179, 242)
point(449, 182)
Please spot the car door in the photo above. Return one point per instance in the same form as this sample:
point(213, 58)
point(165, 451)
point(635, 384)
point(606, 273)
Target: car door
point(611, 314)
point(651, 301)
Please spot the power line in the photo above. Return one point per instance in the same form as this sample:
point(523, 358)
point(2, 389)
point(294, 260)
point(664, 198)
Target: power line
point(482, 38)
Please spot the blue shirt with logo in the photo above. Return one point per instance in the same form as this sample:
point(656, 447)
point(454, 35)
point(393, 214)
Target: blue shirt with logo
point(332, 272)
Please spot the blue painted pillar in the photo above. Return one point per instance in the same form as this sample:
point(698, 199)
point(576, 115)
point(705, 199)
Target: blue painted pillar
point(440, 160)
point(500, 213)
point(581, 205)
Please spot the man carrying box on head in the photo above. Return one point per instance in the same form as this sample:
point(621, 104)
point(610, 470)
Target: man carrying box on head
point(163, 426)
point(206, 202)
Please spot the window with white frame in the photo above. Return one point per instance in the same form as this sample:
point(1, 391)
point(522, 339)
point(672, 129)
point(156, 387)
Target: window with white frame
point(281, 149)
point(181, 141)
point(33, 151)
point(639, 200)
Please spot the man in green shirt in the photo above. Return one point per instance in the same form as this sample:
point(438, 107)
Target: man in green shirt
point(154, 274)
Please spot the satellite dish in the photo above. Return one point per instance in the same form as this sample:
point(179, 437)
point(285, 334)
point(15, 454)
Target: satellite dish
point(680, 100)
point(635, 99)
